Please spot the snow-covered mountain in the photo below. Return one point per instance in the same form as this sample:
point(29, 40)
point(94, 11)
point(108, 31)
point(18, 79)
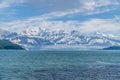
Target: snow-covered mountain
point(39, 38)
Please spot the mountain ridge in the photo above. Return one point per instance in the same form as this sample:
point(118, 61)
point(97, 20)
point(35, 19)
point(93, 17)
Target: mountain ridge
point(112, 48)
point(38, 37)
point(7, 45)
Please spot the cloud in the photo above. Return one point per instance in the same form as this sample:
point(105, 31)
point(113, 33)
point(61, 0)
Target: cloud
point(7, 10)
point(68, 7)
point(101, 25)
point(84, 7)
point(60, 8)
point(65, 7)
point(53, 5)
point(8, 3)
point(3, 5)
point(21, 25)
point(90, 26)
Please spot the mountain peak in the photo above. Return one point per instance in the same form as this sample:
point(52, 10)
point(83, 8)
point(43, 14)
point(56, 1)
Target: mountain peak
point(38, 37)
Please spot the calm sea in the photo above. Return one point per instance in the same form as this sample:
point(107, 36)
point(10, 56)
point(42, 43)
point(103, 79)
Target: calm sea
point(59, 65)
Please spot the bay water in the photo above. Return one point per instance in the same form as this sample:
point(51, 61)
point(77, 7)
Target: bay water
point(59, 65)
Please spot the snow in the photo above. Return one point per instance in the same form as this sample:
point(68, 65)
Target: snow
point(37, 36)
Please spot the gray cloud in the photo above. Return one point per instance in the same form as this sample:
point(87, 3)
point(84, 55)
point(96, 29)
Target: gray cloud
point(73, 6)
point(53, 5)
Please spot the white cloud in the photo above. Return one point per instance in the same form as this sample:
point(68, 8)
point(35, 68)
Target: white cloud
point(9, 3)
point(85, 7)
point(88, 7)
point(90, 26)
point(63, 8)
point(18, 26)
point(3, 5)
point(101, 25)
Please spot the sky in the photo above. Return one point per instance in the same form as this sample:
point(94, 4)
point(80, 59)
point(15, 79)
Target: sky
point(87, 16)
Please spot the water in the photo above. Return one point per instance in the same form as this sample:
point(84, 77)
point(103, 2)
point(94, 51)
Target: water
point(59, 65)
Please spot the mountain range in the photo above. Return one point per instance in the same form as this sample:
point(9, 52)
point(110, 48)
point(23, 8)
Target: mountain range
point(112, 48)
point(38, 38)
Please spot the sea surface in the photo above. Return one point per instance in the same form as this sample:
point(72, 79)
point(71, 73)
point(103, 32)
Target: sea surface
point(59, 65)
